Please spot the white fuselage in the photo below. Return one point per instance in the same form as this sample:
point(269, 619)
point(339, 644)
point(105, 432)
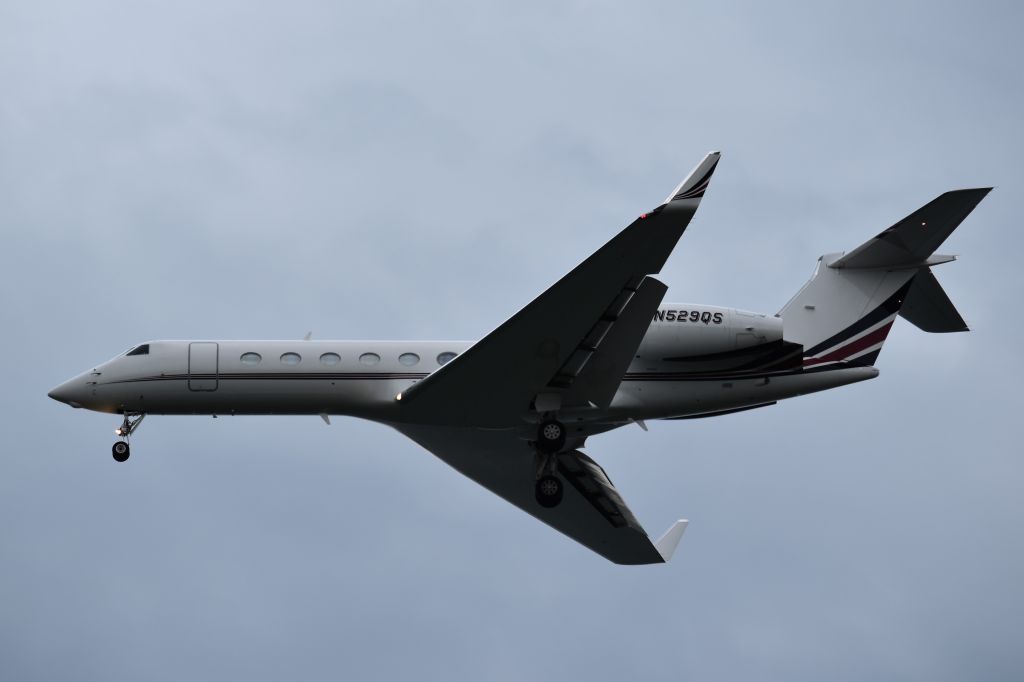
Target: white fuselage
point(365, 378)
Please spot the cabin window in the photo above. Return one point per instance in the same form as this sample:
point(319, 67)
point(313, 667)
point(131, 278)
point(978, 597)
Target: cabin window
point(139, 350)
point(445, 357)
point(251, 358)
point(291, 359)
point(408, 359)
point(369, 358)
point(330, 358)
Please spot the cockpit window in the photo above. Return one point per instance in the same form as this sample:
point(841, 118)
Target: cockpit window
point(139, 350)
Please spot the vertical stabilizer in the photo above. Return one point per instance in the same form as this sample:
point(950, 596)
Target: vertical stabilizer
point(844, 313)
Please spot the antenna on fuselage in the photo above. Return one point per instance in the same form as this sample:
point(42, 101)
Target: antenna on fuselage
point(308, 336)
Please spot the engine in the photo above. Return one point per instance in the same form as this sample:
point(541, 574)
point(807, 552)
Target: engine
point(702, 339)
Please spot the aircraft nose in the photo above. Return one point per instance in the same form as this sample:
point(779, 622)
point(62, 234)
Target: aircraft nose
point(66, 393)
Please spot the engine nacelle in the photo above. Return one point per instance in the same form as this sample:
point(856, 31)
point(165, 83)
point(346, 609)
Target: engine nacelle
point(705, 337)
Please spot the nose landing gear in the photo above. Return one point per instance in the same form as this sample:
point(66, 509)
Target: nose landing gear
point(120, 449)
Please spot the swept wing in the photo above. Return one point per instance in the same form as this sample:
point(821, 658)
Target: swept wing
point(542, 350)
point(570, 346)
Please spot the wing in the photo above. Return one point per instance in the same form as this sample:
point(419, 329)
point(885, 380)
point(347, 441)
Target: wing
point(537, 355)
point(591, 511)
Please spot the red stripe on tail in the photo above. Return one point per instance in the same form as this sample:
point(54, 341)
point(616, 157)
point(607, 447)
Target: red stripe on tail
point(860, 344)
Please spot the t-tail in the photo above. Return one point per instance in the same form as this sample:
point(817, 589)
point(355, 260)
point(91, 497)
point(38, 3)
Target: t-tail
point(844, 313)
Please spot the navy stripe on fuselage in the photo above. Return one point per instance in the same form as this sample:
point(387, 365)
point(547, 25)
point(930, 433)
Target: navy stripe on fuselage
point(267, 376)
point(364, 376)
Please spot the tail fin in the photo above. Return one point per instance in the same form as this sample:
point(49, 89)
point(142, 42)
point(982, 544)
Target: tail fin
point(844, 313)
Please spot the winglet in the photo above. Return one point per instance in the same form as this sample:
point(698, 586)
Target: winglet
point(696, 182)
point(667, 543)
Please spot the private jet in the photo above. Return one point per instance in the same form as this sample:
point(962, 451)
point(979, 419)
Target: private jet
point(598, 350)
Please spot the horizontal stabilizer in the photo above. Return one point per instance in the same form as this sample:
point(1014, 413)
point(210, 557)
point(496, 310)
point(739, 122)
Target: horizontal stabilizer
point(912, 240)
point(928, 307)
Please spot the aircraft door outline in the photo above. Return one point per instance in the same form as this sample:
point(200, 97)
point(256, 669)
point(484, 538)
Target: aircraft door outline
point(203, 366)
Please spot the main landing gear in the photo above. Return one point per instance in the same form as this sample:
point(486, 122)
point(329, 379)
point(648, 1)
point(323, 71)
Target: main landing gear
point(548, 491)
point(550, 441)
point(121, 449)
point(550, 436)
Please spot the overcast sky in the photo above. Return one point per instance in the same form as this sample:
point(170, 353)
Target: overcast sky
point(375, 170)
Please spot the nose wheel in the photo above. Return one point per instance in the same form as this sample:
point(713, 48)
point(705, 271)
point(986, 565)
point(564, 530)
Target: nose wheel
point(121, 450)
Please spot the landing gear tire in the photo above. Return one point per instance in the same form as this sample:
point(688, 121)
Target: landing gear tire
point(120, 451)
point(548, 491)
point(550, 437)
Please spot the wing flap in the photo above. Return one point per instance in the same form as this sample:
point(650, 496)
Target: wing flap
point(591, 481)
point(600, 377)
